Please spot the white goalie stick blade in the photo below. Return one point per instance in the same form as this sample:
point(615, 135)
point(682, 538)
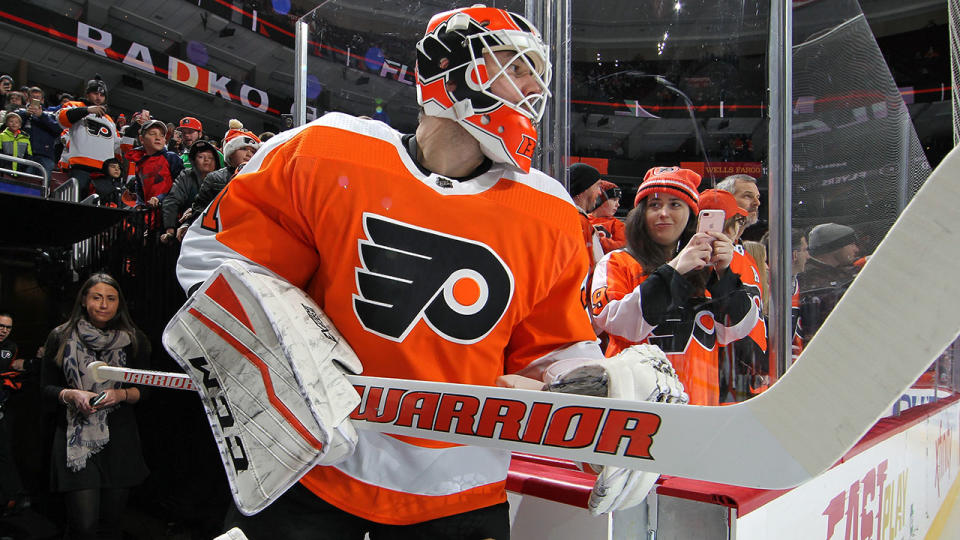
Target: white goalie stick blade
point(163, 379)
point(898, 315)
point(261, 406)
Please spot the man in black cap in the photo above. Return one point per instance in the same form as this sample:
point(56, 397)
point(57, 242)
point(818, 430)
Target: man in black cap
point(585, 189)
point(92, 134)
point(11, 488)
point(827, 274)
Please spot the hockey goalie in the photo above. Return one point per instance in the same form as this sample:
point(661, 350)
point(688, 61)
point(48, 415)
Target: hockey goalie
point(319, 260)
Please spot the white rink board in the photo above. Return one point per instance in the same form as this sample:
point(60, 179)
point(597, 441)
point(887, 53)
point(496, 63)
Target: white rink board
point(914, 396)
point(910, 474)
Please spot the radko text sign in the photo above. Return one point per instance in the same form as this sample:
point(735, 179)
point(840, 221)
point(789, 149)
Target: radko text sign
point(101, 42)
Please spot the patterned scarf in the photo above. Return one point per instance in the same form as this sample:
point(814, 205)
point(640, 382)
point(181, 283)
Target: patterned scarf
point(87, 435)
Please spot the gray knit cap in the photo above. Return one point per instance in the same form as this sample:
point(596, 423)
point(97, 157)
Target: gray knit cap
point(830, 237)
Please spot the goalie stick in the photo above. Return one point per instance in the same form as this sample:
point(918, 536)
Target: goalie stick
point(546, 423)
point(894, 320)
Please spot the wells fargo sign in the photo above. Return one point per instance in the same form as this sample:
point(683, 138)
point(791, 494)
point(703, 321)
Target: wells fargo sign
point(719, 169)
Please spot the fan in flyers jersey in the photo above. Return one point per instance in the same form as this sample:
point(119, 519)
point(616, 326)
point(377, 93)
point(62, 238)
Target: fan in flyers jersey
point(335, 208)
point(672, 286)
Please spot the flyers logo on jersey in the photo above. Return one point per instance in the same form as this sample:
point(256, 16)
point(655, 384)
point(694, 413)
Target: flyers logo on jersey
point(674, 334)
point(460, 288)
point(97, 129)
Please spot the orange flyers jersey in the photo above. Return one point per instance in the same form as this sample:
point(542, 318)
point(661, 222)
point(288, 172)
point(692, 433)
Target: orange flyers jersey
point(93, 139)
point(690, 343)
point(796, 346)
point(426, 277)
point(591, 240)
point(614, 234)
point(744, 264)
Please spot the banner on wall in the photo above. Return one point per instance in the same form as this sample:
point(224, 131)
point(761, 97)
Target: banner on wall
point(103, 42)
point(719, 169)
point(600, 164)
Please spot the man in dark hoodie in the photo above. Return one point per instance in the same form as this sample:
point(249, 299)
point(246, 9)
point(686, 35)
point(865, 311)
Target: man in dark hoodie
point(204, 159)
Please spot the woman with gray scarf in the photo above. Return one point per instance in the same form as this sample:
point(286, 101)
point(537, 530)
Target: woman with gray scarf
point(96, 456)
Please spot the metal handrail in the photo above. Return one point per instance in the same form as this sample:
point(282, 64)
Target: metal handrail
point(45, 177)
point(68, 191)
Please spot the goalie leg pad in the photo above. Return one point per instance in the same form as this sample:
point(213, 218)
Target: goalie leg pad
point(268, 365)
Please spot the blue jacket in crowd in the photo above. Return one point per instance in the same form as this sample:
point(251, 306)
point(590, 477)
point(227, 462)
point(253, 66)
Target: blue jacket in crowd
point(44, 131)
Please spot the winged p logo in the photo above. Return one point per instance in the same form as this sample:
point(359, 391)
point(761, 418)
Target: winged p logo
point(460, 288)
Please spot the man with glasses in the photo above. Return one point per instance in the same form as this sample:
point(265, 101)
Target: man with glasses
point(11, 489)
point(8, 349)
point(745, 191)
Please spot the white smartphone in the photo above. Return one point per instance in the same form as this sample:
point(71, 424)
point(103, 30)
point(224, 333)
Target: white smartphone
point(710, 221)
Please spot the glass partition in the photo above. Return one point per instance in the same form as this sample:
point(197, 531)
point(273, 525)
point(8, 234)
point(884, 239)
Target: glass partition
point(857, 156)
point(677, 83)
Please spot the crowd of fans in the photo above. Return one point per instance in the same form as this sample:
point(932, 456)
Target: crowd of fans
point(141, 163)
point(657, 277)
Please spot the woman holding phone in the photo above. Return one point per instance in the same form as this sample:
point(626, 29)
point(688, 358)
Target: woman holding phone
point(96, 456)
point(671, 286)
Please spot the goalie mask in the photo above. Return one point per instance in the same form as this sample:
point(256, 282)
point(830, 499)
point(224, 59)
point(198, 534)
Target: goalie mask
point(457, 66)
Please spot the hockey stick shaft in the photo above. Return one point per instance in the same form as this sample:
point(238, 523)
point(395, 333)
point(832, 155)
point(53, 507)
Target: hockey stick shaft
point(555, 425)
point(162, 379)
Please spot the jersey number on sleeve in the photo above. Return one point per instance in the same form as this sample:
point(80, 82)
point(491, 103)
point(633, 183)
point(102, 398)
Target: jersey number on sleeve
point(210, 221)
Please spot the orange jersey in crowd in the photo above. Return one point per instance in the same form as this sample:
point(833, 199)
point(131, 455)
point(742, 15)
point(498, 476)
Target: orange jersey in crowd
point(613, 233)
point(797, 346)
point(746, 267)
point(93, 139)
point(426, 277)
point(688, 329)
point(590, 239)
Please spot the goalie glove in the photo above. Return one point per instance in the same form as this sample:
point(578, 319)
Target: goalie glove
point(642, 373)
point(268, 364)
